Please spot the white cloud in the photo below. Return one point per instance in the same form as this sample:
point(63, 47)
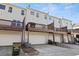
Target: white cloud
point(69, 7)
point(44, 9)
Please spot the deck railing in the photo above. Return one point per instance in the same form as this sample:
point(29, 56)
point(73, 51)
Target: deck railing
point(62, 29)
point(10, 25)
point(45, 28)
point(38, 27)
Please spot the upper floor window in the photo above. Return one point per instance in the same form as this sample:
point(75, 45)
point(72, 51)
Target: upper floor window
point(22, 12)
point(32, 13)
point(66, 23)
point(45, 17)
point(59, 21)
point(37, 14)
point(2, 6)
point(10, 9)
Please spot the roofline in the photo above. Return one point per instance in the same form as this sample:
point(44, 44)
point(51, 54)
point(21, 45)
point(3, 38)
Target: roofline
point(66, 19)
point(61, 18)
point(37, 10)
point(56, 17)
point(24, 8)
point(13, 5)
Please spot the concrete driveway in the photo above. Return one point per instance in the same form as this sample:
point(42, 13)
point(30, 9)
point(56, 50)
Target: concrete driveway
point(50, 50)
point(46, 50)
point(5, 51)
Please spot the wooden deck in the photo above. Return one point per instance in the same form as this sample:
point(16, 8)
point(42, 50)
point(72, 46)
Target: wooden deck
point(4, 27)
point(46, 28)
point(7, 25)
point(34, 27)
point(39, 30)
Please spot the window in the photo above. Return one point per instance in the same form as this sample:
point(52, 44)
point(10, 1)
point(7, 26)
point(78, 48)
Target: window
point(10, 9)
point(49, 18)
point(58, 21)
point(32, 13)
point(37, 14)
point(67, 23)
point(22, 12)
point(2, 6)
point(13, 24)
point(45, 17)
point(18, 24)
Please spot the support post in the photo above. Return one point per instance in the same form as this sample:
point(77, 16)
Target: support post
point(53, 33)
point(23, 32)
point(28, 35)
point(53, 38)
point(68, 38)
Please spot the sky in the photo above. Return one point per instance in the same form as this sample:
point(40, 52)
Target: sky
point(66, 10)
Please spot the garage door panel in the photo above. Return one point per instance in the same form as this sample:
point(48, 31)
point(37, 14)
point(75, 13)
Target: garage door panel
point(65, 39)
point(37, 38)
point(70, 39)
point(57, 38)
point(50, 36)
point(7, 38)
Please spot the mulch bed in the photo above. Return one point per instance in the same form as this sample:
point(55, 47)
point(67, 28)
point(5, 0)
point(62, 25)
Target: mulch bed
point(30, 51)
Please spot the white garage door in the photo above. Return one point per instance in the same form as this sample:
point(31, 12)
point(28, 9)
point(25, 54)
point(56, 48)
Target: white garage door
point(70, 39)
point(65, 39)
point(50, 36)
point(8, 37)
point(38, 38)
point(57, 38)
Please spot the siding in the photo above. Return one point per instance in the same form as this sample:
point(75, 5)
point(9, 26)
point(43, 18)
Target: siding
point(15, 15)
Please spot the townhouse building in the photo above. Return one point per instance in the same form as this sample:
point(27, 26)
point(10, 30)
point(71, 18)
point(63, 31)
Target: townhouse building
point(63, 28)
point(41, 26)
point(76, 31)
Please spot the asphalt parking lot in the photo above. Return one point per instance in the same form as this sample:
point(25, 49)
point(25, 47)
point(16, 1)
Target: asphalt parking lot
point(46, 50)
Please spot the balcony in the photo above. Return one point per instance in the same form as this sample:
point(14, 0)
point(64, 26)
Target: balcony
point(38, 27)
point(62, 29)
point(10, 25)
point(34, 27)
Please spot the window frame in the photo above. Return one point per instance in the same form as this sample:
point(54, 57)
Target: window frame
point(18, 23)
point(45, 17)
point(10, 9)
point(37, 15)
point(22, 12)
point(13, 23)
point(32, 13)
point(49, 18)
point(2, 6)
